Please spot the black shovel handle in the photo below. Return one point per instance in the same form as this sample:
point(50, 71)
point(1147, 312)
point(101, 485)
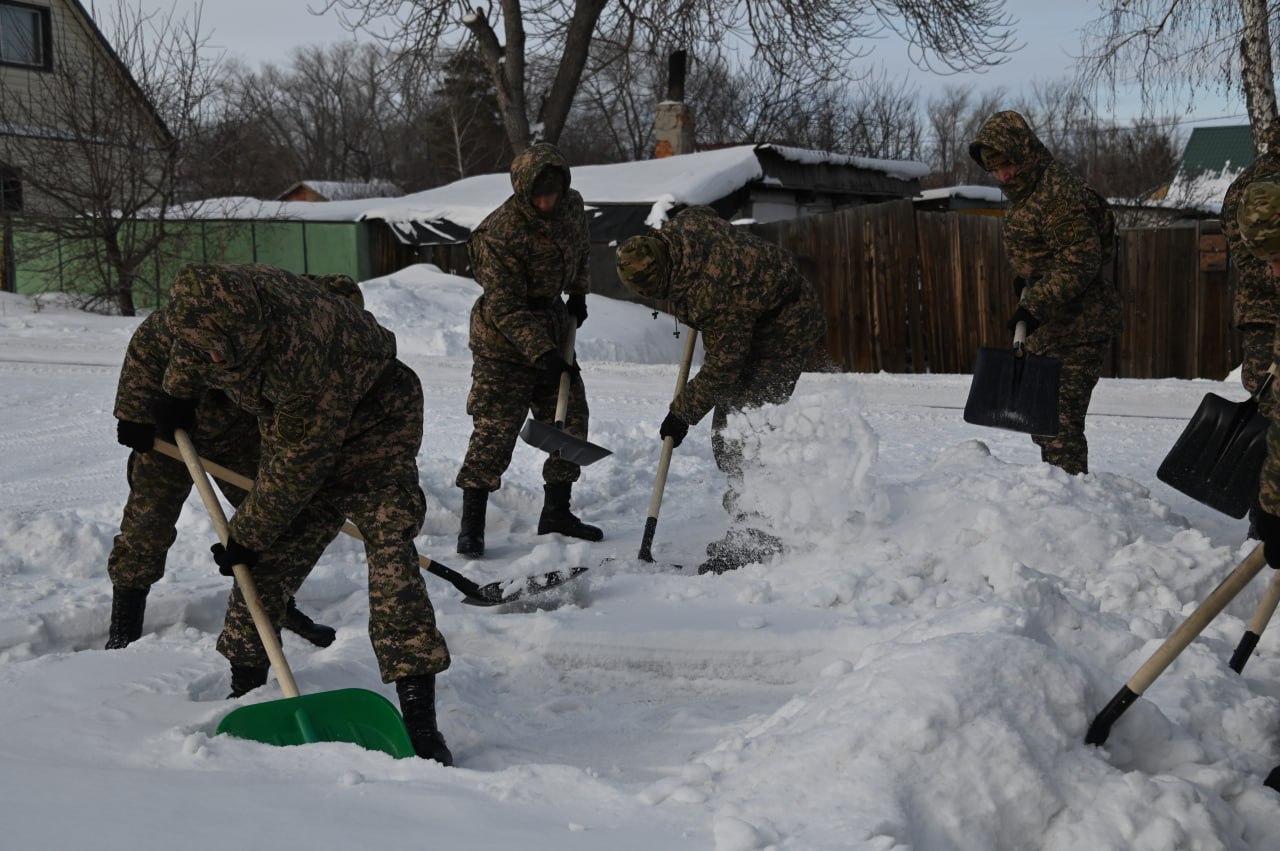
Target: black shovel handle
point(664, 464)
point(1175, 644)
point(1261, 617)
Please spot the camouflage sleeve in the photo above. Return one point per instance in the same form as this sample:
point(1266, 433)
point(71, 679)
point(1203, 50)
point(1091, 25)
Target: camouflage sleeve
point(1257, 300)
point(506, 295)
point(186, 376)
point(300, 451)
point(1077, 257)
point(726, 341)
point(142, 373)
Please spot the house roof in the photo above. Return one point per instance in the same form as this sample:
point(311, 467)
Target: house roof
point(621, 198)
point(1217, 149)
point(346, 190)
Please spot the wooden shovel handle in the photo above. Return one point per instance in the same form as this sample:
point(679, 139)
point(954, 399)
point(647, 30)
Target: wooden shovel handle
point(266, 631)
point(562, 399)
point(664, 463)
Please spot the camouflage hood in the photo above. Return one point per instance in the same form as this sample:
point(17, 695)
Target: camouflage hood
point(216, 308)
point(529, 164)
point(1009, 134)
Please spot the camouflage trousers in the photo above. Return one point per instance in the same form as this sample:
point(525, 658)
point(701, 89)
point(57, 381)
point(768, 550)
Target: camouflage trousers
point(1258, 344)
point(1081, 368)
point(375, 486)
point(158, 487)
point(770, 381)
point(502, 394)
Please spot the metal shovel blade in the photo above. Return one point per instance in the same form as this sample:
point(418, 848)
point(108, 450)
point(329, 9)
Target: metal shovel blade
point(551, 439)
point(1218, 457)
point(1014, 392)
point(359, 716)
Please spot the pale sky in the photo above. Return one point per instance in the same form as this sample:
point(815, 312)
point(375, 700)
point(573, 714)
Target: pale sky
point(259, 31)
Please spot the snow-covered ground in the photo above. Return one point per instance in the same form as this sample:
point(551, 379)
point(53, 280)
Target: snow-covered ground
point(917, 672)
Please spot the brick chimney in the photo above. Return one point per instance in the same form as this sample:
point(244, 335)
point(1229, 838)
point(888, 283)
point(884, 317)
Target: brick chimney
point(673, 125)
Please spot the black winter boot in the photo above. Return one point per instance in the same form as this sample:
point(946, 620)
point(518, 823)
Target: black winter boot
point(245, 679)
point(471, 536)
point(128, 605)
point(1273, 779)
point(417, 695)
point(297, 622)
point(556, 516)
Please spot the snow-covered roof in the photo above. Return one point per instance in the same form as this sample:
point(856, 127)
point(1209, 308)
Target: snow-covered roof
point(659, 184)
point(976, 193)
point(345, 190)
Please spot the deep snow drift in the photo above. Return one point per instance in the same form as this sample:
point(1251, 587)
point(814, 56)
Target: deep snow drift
point(917, 671)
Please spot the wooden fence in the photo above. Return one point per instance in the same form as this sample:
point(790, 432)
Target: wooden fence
point(908, 291)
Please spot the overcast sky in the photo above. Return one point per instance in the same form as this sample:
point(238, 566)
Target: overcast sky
point(258, 31)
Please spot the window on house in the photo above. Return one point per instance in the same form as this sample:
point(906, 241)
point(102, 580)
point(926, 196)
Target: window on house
point(10, 189)
point(24, 35)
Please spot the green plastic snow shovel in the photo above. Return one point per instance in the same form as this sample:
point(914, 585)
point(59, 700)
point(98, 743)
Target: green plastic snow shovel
point(353, 715)
point(553, 438)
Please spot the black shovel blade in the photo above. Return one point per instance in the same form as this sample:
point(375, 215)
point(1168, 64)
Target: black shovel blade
point(494, 595)
point(1218, 457)
point(1014, 392)
point(551, 439)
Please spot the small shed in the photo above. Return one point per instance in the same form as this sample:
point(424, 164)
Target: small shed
point(339, 190)
point(968, 199)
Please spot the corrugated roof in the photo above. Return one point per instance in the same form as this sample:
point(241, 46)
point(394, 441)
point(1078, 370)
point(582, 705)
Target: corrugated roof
point(1217, 149)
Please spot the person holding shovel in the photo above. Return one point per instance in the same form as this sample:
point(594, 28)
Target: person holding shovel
point(159, 485)
point(1256, 306)
point(1258, 226)
point(761, 322)
point(341, 424)
point(525, 254)
point(1059, 234)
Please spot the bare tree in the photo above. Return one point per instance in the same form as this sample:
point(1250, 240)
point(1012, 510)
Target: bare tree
point(1177, 49)
point(814, 41)
point(954, 118)
point(98, 141)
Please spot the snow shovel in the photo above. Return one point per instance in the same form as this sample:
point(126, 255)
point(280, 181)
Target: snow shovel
point(553, 438)
point(1175, 644)
point(353, 715)
point(1218, 457)
point(668, 444)
point(491, 594)
point(1261, 617)
point(1015, 390)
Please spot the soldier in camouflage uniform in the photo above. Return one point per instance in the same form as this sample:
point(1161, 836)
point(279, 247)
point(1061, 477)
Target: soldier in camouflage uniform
point(1060, 238)
point(761, 322)
point(158, 485)
point(341, 425)
point(1257, 299)
point(1257, 224)
point(525, 254)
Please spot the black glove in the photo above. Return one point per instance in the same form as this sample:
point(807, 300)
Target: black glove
point(577, 307)
point(1267, 528)
point(232, 554)
point(1024, 315)
point(1019, 284)
point(172, 413)
point(553, 363)
point(139, 437)
point(674, 428)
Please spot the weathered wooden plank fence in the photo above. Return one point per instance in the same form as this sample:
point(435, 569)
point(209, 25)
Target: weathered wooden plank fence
point(908, 291)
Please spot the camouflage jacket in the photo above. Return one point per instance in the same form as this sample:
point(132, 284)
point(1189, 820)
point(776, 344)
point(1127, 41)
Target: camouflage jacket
point(1257, 299)
point(1059, 235)
point(743, 294)
point(524, 261)
point(300, 359)
point(142, 379)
